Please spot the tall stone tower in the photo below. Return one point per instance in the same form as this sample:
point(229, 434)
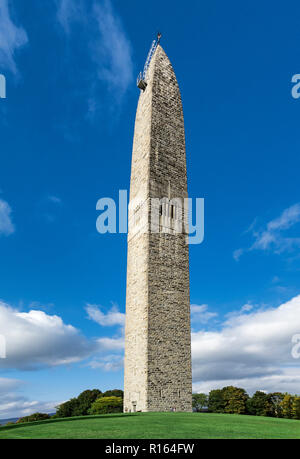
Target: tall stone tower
point(157, 333)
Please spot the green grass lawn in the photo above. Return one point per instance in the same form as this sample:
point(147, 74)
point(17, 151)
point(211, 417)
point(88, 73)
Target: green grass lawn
point(157, 426)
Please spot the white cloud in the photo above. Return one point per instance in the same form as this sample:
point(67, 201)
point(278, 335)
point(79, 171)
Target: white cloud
point(111, 344)
point(6, 225)
point(108, 363)
point(287, 381)
point(112, 317)
point(244, 309)
point(111, 348)
point(271, 238)
point(54, 199)
point(12, 38)
point(201, 314)
point(107, 44)
point(287, 219)
point(112, 51)
point(251, 350)
point(7, 385)
point(69, 11)
point(247, 307)
point(13, 404)
point(35, 339)
point(237, 254)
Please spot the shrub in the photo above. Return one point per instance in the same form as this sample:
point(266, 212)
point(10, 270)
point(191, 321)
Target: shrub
point(106, 405)
point(81, 405)
point(33, 417)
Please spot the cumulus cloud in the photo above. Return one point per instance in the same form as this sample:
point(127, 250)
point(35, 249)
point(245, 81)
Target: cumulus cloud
point(12, 38)
point(247, 307)
point(271, 237)
point(251, 350)
point(244, 309)
point(6, 225)
point(201, 314)
point(13, 404)
point(35, 339)
point(112, 317)
point(111, 348)
point(108, 363)
point(111, 344)
point(287, 381)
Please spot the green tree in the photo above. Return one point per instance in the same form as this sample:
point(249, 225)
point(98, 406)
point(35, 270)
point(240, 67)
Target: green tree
point(200, 401)
point(113, 393)
point(274, 407)
point(257, 404)
point(85, 401)
point(216, 403)
point(33, 417)
point(296, 407)
point(286, 405)
point(235, 400)
point(105, 405)
point(67, 409)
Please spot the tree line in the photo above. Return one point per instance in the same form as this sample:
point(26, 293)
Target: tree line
point(235, 400)
point(88, 402)
point(230, 399)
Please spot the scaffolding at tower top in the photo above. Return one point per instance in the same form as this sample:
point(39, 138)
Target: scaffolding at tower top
point(142, 77)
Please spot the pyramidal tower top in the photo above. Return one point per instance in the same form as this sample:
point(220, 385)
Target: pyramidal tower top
point(157, 373)
point(159, 156)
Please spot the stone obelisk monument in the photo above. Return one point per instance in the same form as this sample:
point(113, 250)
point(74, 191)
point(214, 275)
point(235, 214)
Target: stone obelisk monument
point(157, 333)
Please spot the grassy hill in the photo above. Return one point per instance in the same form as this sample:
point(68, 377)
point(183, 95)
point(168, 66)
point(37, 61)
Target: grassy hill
point(157, 426)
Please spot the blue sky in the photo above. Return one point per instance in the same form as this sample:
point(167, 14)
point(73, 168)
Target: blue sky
point(66, 130)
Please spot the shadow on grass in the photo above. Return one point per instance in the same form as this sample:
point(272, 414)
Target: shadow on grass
point(76, 418)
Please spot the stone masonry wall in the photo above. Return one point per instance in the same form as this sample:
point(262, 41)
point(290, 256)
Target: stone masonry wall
point(157, 333)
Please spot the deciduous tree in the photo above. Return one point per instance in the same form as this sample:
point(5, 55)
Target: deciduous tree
point(200, 401)
point(105, 405)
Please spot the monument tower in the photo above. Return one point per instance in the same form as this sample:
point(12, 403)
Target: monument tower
point(157, 332)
